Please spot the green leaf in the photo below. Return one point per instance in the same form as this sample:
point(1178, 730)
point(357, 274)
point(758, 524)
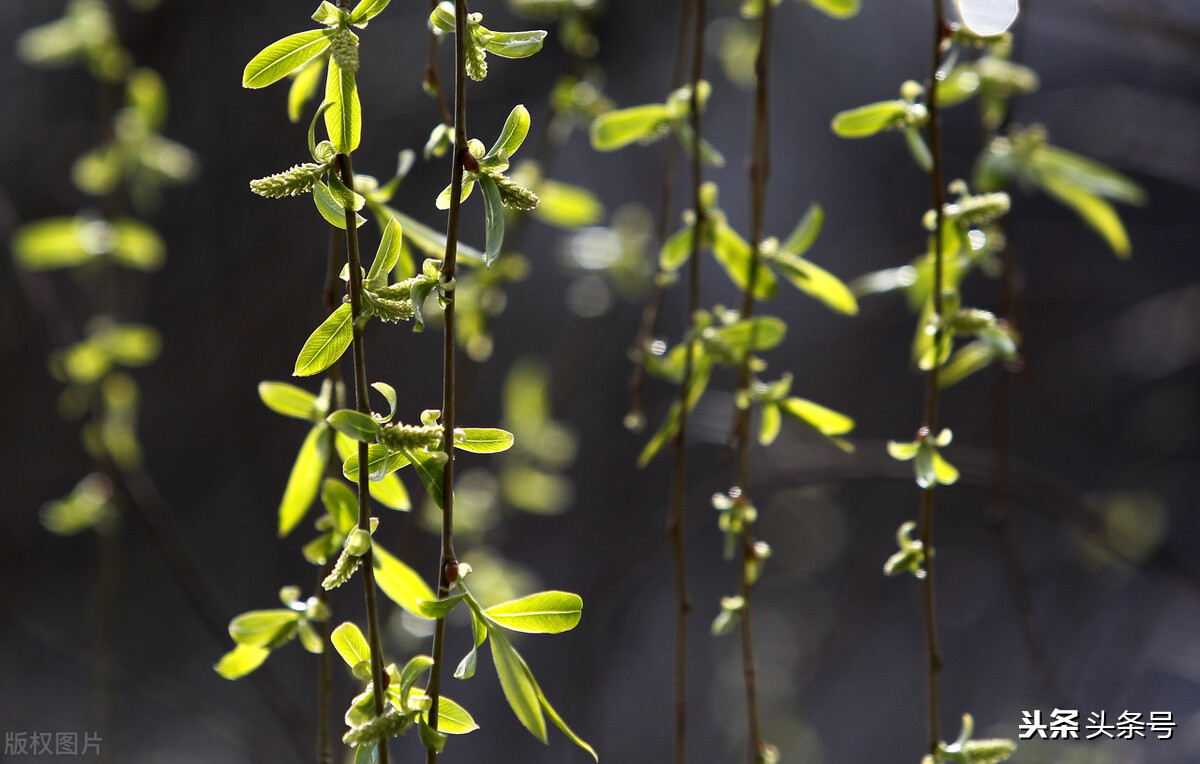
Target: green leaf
point(806, 231)
point(430, 469)
point(751, 334)
point(970, 358)
point(824, 420)
point(550, 612)
point(264, 628)
point(769, 424)
point(436, 609)
point(409, 675)
point(303, 88)
point(366, 10)
point(619, 128)
point(516, 127)
point(1078, 170)
point(328, 14)
point(350, 643)
point(918, 148)
point(326, 344)
point(443, 199)
point(838, 9)
point(482, 440)
point(330, 209)
point(241, 660)
point(1094, 210)
point(453, 719)
point(341, 503)
point(285, 56)
point(676, 249)
point(355, 425)
point(733, 253)
point(343, 119)
point(400, 583)
point(58, 243)
point(493, 212)
point(816, 282)
point(567, 206)
point(700, 375)
point(433, 740)
point(517, 682)
point(902, 451)
point(559, 722)
point(137, 245)
point(868, 120)
point(289, 400)
point(387, 254)
point(129, 344)
point(305, 478)
point(514, 44)
point(381, 463)
point(389, 394)
point(431, 242)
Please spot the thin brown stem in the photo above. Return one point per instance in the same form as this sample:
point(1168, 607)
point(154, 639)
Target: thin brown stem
point(363, 406)
point(433, 82)
point(760, 157)
point(653, 308)
point(675, 522)
point(448, 562)
point(938, 193)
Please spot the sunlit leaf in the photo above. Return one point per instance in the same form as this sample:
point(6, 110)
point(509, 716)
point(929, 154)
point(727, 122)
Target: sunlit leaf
point(549, 612)
point(305, 479)
point(288, 400)
point(326, 344)
point(400, 583)
point(241, 660)
point(285, 56)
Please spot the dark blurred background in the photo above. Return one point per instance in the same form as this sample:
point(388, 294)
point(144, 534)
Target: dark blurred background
point(1106, 413)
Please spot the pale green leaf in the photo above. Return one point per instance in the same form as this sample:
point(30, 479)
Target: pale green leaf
point(58, 243)
point(559, 722)
point(676, 249)
point(806, 231)
point(289, 400)
point(430, 470)
point(824, 420)
point(868, 120)
point(1094, 211)
point(482, 440)
point(733, 253)
point(1094, 176)
point(514, 44)
point(330, 209)
point(385, 487)
point(387, 254)
point(350, 643)
point(343, 118)
point(436, 609)
point(341, 503)
point(355, 425)
point(615, 129)
point(400, 583)
point(549, 612)
point(493, 211)
point(326, 344)
point(304, 87)
point(453, 719)
point(838, 9)
point(366, 10)
point(264, 628)
point(567, 206)
point(516, 127)
point(816, 282)
point(241, 660)
point(285, 56)
point(770, 422)
point(517, 682)
point(137, 245)
point(305, 479)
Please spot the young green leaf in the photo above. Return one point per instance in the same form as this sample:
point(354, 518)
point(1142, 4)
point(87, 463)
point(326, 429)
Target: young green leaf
point(355, 425)
point(676, 249)
point(350, 643)
point(264, 628)
point(241, 660)
point(806, 231)
point(453, 719)
point(305, 478)
point(289, 400)
point(516, 127)
point(838, 9)
point(733, 253)
point(514, 44)
point(343, 119)
point(770, 422)
point(868, 120)
point(1094, 211)
point(366, 10)
point(435, 609)
point(304, 87)
point(479, 631)
point(341, 503)
point(137, 245)
point(400, 583)
point(482, 440)
point(330, 209)
point(517, 682)
point(824, 420)
point(389, 394)
point(550, 612)
point(816, 282)
point(59, 243)
point(326, 344)
point(429, 469)
point(493, 212)
point(559, 722)
point(621, 127)
point(387, 254)
point(285, 56)
point(700, 375)
point(380, 462)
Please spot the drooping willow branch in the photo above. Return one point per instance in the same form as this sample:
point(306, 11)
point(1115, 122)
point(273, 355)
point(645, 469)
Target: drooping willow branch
point(448, 562)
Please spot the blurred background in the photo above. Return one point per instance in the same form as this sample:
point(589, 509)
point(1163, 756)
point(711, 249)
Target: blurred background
point(1097, 610)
